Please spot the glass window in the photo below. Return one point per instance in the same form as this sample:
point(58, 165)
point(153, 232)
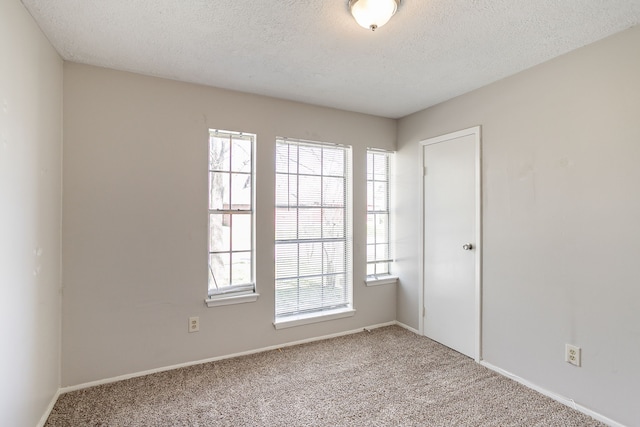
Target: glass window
point(230, 213)
point(379, 255)
point(313, 228)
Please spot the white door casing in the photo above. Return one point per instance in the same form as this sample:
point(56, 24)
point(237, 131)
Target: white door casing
point(450, 300)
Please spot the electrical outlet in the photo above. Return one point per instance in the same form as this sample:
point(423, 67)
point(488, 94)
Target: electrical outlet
point(194, 324)
point(572, 354)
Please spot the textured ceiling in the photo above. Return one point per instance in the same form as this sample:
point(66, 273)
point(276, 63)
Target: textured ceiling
point(313, 51)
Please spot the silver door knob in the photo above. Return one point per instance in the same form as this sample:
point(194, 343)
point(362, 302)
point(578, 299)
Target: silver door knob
point(467, 246)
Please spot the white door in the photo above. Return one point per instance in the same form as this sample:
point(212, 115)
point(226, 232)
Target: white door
point(451, 274)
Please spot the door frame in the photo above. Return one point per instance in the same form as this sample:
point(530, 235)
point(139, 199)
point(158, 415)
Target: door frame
point(476, 133)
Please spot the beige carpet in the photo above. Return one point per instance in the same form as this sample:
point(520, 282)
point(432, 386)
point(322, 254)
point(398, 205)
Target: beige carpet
point(387, 377)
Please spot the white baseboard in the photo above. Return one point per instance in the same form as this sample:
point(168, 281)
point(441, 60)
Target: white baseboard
point(218, 358)
point(47, 412)
point(564, 400)
point(408, 328)
point(381, 325)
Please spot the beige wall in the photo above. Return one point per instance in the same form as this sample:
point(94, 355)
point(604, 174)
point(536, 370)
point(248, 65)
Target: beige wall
point(30, 207)
point(561, 147)
point(135, 221)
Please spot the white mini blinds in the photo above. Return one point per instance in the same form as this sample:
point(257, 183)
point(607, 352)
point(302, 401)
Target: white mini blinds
point(230, 213)
point(313, 228)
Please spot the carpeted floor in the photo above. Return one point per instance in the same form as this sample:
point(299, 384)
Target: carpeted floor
point(386, 377)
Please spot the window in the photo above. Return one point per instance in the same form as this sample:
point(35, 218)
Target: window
point(230, 214)
point(379, 257)
point(313, 229)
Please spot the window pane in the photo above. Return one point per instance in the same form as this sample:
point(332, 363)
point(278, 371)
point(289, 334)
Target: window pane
point(286, 260)
point(371, 269)
point(370, 206)
point(380, 196)
point(241, 268)
point(371, 228)
point(286, 190)
point(286, 224)
point(369, 166)
point(292, 163)
point(287, 296)
point(241, 232)
point(333, 257)
point(219, 233)
point(382, 228)
point(241, 155)
point(333, 223)
point(219, 153)
point(371, 252)
point(310, 159)
point(310, 293)
point(285, 155)
point(382, 251)
point(219, 269)
point(382, 268)
point(310, 259)
point(334, 291)
point(380, 167)
point(333, 191)
point(240, 191)
point(333, 162)
point(310, 223)
point(218, 190)
point(310, 191)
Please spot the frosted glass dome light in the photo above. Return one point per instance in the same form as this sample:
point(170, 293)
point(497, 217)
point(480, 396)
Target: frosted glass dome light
point(373, 14)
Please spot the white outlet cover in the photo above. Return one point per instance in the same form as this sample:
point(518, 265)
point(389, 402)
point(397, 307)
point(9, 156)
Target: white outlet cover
point(573, 355)
point(194, 324)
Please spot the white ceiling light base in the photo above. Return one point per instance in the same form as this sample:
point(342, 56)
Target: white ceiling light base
point(373, 14)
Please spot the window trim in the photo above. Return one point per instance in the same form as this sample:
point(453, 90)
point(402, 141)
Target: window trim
point(220, 300)
point(382, 279)
point(314, 317)
point(244, 292)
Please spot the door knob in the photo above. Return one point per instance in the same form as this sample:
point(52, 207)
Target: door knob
point(467, 246)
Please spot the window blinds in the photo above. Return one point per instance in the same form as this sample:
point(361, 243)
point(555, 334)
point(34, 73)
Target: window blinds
point(313, 227)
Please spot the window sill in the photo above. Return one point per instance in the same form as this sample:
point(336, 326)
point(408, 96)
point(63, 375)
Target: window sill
point(305, 319)
point(228, 300)
point(381, 280)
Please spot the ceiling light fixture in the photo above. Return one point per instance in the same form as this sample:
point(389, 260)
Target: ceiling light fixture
point(372, 14)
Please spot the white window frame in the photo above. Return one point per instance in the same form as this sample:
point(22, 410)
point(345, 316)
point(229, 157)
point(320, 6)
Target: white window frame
point(386, 277)
point(233, 293)
point(298, 315)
